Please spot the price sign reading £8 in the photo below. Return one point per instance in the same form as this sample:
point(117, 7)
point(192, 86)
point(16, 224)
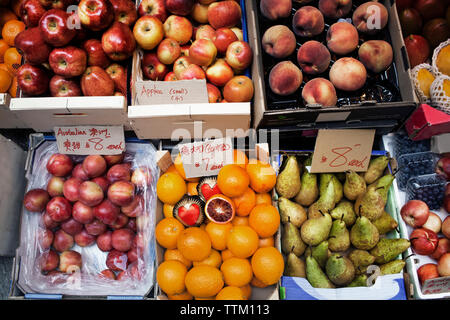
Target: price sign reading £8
point(85, 140)
point(206, 158)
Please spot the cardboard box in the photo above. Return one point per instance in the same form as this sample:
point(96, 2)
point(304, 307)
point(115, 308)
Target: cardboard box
point(317, 117)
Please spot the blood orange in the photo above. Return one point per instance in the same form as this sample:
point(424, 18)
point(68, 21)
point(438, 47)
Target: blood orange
point(220, 209)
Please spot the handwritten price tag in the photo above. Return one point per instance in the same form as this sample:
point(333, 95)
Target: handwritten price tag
point(85, 140)
point(342, 150)
point(436, 285)
point(206, 158)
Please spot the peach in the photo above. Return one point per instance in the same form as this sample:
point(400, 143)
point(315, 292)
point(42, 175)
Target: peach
point(342, 38)
point(308, 22)
point(348, 74)
point(313, 57)
point(285, 78)
point(335, 9)
point(279, 41)
point(275, 9)
point(319, 91)
point(376, 55)
point(370, 17)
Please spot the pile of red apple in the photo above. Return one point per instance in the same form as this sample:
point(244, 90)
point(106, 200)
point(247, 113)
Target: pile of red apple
point(425, 239)
point(189, 39)
point(425, 24)
point(99, 201)
point(74, 48)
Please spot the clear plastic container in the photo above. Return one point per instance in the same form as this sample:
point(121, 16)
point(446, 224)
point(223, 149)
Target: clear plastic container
point(429, 188)
point(402, 144)
point(413, 165)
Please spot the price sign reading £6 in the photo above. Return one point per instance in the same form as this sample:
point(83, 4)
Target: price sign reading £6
point(206, 158)
point(342, 150)
point(85, 140)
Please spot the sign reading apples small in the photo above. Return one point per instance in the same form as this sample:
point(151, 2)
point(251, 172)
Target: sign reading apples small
point(86, 140)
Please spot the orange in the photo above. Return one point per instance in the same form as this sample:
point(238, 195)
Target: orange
point(245, 203)
point(181, 296)
point(172, 169)
point(194, 243)
point(263, 198)
point(13, 88)
point(242, 241)
point(3, 47)
point(226, 254)
point(180, 169)
point(167, 232)
point(170, 188)
point(268, 265)
point(168, 210)
point(257, 283)
point(240, 221)
point(262, 176)
point(246, 291)
point(240, 158)
point(175, 254)
point(204, 281)
point(6, 15)
point(5, 81)
point(207, 298)
point(13, 60)
point(171, 276)
point(220, 209)
point(233, 180)
point(218, 233)
point(265, 220)
point(213, 260)
point(266, 242)
point(237, 272)
point(192, 188)
point(4, 67)
point(230, 293)
point(11, 29)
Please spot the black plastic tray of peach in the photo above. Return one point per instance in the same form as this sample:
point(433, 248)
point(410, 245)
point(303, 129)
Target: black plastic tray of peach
point(380, 88)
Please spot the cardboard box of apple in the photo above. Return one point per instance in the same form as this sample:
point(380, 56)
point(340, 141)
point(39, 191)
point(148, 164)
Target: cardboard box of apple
point(189, 39)
point(74, 48)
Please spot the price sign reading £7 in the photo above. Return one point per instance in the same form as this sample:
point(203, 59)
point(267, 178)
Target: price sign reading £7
point(206, 158)
point(85, 140)
point(342, 150)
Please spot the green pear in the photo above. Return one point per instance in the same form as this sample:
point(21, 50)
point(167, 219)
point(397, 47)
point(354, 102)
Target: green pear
point(370, 204)
point(339, 238)
point(376, 169)
point(325, 178)
point(340, 270)
point(316, 277)
point(385, 223)
point(295, 266)
point(392, 267)
point(383, 185)
point(363, 234)
point(344, 210)
point(291, 212)
point(388, 249)
point(320, 252)
point(314, 231)
point(326, 201)
point(359, 281)
point(354, 185)
point(288, 181)
point(314, 211)
point(361, 259)
point(291, 240)
point(309, 190)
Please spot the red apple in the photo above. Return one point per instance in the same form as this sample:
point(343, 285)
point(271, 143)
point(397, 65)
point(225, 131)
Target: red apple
point(180, 7)
point(59, 209)
point(121, 193)
point(68, 61)
point(148, 32)
point(178, 28)
point(181, 64)
point(104, 241)
point(415, 213)
point(122, 239)
point(430, 9)
point(90, 193)
point(418, 49)
point(403, 4)
point(120, 222)
point(119, 172)
point(94, 166)
point(224, 14)
point(205, 31)
point(200, 13)
point(153, 8)
point(239, 89)
point(219, 73)
point(447, 203)
point(61, 4)
point(78, 172)
point(95, 228)
point(442, 248)
point(444, 265)
point(133, 255)
point(124, 11)
point(72, 226)
point(135, 208)
point(59, 165)
point(82, 213)
point(36, 200)
point(70, 261)
point(107, 274)
point(118, 42)
point(49, 260)
point(202, 52)
point(32, 46)
point(84, 239)
point(141, 177)
point(119, 75)
point(62, 87)
point(31, 12)
point(95, 54)
point(168, 51)
point(71, 189)
point(224, 37)
point(62, 241)
point(117, 260)
point(45, 238)
point(170, 76)
point(427, 271)
point(32, 80)
point(433, 223)
point(152, 68)
point(192, 71)
point(239, 55)
point(55, 29)
point(423, 241)
point(113, 159)
point(443, 167)
point(47, 222)
point(214, 94)
point(102, 182)
point(445, 228)
point(106, 212)
point(95, 14)
point(55, 186)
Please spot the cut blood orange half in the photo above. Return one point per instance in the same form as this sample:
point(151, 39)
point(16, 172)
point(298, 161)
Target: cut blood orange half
point(220, 209)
